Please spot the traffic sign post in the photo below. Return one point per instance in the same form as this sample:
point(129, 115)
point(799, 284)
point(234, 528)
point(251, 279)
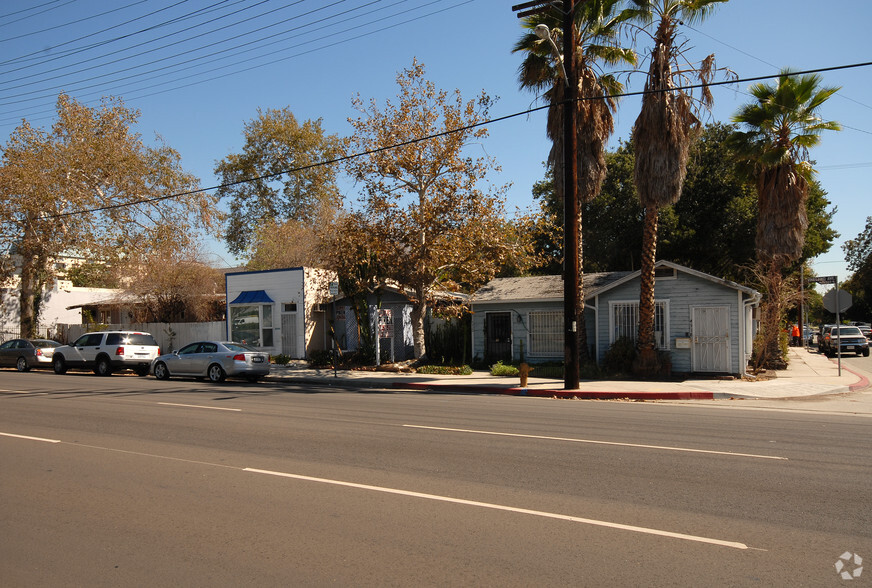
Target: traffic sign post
point(835, 301)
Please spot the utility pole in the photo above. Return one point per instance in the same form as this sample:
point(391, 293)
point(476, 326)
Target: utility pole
point(571, 302)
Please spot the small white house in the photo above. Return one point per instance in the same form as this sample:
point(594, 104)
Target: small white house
point(61, 304)
point(282, 311)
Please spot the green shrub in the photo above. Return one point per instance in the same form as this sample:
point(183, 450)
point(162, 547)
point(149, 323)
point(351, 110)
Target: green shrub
point(322, 358)
point(501, 369)
point(281, 359)
point(449, 370)
point(618, 359)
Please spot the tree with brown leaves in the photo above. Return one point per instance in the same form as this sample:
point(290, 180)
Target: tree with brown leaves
point(90, 187)
point(422, 200)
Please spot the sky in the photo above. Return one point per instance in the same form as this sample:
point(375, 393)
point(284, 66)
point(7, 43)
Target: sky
point(196, 83)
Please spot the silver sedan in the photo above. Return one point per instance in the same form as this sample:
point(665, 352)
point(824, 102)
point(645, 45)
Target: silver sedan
point(215, 360)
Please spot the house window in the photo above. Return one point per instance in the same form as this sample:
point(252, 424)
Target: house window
point(624, 322)
point(252, 324)
point(546, 332)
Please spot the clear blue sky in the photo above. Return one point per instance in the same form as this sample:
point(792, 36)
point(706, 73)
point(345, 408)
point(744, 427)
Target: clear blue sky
point(325, 51)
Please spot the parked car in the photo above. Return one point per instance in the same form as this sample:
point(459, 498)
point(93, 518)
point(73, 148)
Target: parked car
point(822, 334)
point(215, 360)
point(848, 338)
point(106, 352)
point(25, 354)
point(866, 329)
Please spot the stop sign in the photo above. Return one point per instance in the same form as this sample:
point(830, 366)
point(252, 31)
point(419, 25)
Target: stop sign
point(839, 305)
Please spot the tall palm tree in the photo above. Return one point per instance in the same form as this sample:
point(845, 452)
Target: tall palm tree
point(782, 125)
point(597, 25)
point(662, 135)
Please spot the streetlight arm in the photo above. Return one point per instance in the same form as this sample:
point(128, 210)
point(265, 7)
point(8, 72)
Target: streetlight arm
point(543, 33)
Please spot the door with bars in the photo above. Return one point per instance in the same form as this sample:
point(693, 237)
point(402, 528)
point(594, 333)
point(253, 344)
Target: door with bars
point(711, 339)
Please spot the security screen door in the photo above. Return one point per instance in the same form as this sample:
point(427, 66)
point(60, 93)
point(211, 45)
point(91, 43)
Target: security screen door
point(711, 339)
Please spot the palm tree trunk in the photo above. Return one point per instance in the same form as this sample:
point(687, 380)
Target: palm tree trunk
point(769, 354)
point(583, 351)
point(646, 364)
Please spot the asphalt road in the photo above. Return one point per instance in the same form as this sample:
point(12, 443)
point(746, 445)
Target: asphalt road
point(128, 481)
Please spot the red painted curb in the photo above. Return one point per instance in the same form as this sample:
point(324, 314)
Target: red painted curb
point(539, 393)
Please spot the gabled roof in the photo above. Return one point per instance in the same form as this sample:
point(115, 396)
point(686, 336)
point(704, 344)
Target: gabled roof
point(681, 268)
point(541, 288)
point(550, 288)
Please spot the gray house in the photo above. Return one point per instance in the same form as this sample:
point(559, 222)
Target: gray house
point(705, 323)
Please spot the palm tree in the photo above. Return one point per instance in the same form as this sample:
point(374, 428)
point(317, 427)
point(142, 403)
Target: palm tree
point(597, 25)
point(662, 135)
point(782, 125)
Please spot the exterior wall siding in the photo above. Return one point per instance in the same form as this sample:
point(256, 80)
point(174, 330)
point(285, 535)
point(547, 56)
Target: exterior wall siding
point(683, 293)
point(520, 313)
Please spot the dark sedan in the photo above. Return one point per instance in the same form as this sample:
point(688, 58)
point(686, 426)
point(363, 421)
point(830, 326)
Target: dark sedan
point(25, 354)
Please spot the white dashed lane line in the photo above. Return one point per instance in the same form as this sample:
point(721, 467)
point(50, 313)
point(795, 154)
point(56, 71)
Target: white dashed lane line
point(595, 442)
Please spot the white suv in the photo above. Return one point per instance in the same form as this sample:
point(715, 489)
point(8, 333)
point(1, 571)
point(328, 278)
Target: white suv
point(108, 351)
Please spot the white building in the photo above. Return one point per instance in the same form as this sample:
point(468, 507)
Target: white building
point(280, 311)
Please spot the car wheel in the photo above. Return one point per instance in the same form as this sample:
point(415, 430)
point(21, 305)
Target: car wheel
point(865, 353)
point(216, 373)
point(103, 367)
point(161, 372)
point(59, 365)
point(21, 364)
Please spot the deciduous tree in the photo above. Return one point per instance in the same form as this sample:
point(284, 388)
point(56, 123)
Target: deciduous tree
point(90, 187)
point(259, 187)
point(423, 195)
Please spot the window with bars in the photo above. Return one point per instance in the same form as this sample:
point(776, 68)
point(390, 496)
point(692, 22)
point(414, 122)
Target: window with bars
point(546, 332)
point(624, 320)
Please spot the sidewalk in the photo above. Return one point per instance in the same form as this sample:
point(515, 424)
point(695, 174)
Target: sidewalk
point(808, 374)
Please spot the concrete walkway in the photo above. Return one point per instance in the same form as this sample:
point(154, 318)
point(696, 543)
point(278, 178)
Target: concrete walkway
point(808, 374)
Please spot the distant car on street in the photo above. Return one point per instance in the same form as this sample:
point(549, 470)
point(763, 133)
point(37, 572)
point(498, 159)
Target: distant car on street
point(215, 360)
point(25, 354)
point(848, 339)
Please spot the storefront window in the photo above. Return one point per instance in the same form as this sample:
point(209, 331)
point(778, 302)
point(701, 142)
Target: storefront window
point(252, 324)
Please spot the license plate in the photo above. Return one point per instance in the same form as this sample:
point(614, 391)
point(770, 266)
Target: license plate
point(257, 359)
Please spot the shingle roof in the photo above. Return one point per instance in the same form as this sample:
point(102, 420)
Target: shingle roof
point(541, 287)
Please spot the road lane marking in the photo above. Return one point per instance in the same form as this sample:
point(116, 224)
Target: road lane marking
point(435, 497)
point(595, 442)
point(200, 406)
point(30, 438)
point(538, 513)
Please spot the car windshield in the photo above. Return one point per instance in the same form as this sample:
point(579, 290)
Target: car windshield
point(43, 343)
point(239, 347)
point(848, 332)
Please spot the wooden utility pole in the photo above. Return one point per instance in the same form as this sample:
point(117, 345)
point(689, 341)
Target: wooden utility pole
point(571, 302)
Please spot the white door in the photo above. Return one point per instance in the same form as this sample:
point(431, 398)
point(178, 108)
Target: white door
point(289, 334)
point(711, 339)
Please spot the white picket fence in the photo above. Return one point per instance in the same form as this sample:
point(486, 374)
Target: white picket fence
point(170, 336)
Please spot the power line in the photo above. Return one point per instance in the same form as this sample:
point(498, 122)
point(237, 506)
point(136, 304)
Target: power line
point(506, 117)
point(72, 22)
point(223, 68)
point(10, 22)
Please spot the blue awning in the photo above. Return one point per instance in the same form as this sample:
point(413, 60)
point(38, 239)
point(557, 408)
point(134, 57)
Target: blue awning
point(252, 297)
